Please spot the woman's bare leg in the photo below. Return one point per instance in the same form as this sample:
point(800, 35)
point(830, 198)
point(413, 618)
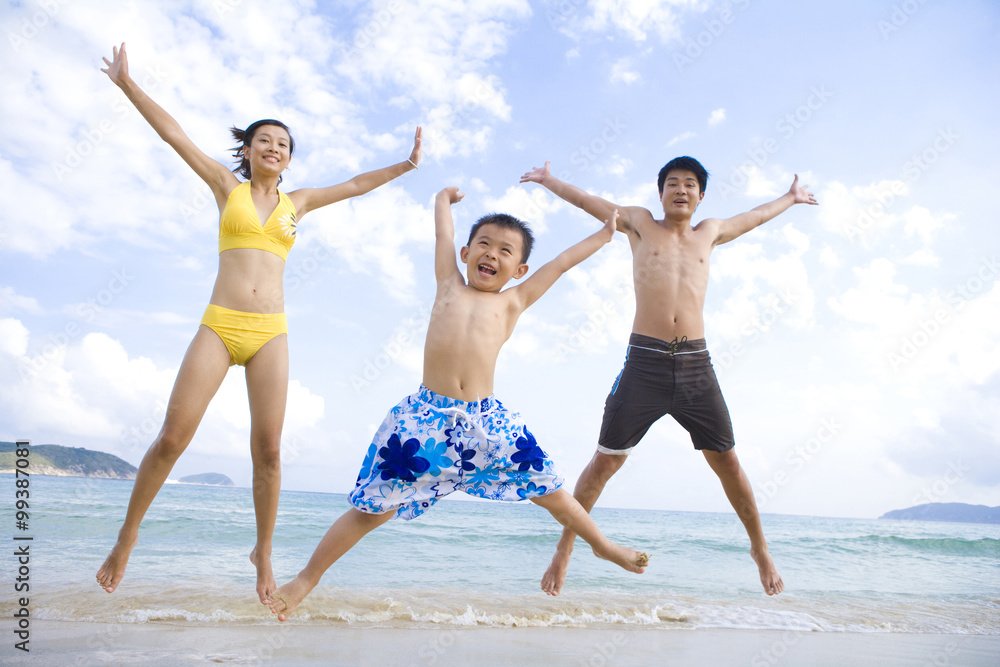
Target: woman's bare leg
point(267, 389)
point(201, 373)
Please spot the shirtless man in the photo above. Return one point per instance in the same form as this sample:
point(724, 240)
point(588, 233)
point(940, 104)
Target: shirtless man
point(667, 365)
point(453, 434)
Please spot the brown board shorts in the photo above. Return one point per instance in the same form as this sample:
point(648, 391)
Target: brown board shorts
point(661, 378)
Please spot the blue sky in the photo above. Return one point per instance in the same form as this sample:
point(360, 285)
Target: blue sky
point(857, 344)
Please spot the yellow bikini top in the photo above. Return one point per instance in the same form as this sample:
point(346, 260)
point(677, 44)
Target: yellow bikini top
point(239, 226)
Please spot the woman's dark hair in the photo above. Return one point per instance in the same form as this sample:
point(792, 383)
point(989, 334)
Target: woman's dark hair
point(246, 136)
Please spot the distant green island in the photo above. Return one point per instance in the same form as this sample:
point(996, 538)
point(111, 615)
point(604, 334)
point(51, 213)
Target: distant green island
point(955, 512)
point(79, 462)
point(207, 478)
point(67, 462)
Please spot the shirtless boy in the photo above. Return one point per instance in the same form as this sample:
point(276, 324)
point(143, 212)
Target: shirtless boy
point(453, 434)
point(667, 365)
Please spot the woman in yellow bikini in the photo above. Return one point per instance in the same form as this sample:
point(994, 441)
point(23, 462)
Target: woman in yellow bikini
point(245, 322)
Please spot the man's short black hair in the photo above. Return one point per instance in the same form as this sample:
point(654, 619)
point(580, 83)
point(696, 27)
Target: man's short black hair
point(687, 164)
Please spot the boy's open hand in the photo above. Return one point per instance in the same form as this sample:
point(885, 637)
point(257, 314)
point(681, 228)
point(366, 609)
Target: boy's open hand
point(610, 225)
point(415, 153)
point(117, 69)
point(536, 175)
point(801, 193)
point(452, 194)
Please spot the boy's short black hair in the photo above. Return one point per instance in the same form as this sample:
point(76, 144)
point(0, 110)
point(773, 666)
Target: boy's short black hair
point(510, 222)
point(687, 164)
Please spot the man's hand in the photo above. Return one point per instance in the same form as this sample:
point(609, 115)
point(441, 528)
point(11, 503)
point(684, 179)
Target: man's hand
point(536, 175)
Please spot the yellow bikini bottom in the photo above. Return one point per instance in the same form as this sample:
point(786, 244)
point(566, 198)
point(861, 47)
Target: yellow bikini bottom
point(243, 333)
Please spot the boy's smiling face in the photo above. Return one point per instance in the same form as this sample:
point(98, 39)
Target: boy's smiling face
point(493, 257)
point(681, 193)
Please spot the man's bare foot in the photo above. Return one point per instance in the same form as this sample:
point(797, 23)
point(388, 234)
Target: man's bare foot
point(555, 576)
point(266, 585)
point(630, 559)
point(769, 576)
point(284, 600)
point(111, 573)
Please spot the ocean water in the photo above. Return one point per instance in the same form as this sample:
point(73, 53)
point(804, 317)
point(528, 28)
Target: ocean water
point(479, 564)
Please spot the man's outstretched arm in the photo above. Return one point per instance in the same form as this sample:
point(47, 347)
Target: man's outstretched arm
point(592, 204)
point(739, 225)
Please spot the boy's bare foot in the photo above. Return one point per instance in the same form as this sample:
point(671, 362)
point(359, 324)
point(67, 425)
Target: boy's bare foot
point(630, 559)
point(769, 576)
point(266, 585)
point(113, 569)
point(555, 576)
point(284, 600)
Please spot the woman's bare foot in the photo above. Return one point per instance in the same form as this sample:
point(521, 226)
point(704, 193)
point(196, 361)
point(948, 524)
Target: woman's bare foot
point(111, 573)
point(630, 559)
point(266, 585)
point(769, 576)
point(284, 600)
point(555, 576)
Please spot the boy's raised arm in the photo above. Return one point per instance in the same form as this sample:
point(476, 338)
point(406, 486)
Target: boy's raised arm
point(541, 280)
point(592, 204)
point(739, 225)
point(445, 263)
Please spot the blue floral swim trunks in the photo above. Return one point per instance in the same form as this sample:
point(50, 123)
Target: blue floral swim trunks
point(431, 445)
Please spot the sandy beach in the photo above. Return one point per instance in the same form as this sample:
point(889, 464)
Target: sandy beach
point(81, 643)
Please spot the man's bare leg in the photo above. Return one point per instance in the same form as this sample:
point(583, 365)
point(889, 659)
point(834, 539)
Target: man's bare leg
point(339, 539)
point(267, 391)
point(201, 373)
point(740, 494)
point(588, 489)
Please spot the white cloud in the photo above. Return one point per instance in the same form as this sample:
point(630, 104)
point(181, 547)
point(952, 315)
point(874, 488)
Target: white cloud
point(681, 137)
point(623, 72)
point(716, 117)
point(13, 337)
point(377, 234)
point(636, 19)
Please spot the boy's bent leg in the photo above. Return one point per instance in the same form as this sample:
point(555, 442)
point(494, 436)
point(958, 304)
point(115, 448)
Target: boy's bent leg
point(267, 391)
point(201, 373)
point(588, 489)
point(575, 518)
point(740, 494)
point(339, 539)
